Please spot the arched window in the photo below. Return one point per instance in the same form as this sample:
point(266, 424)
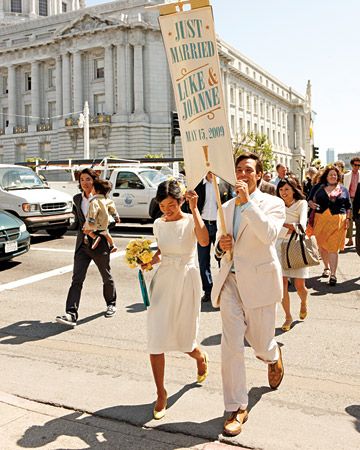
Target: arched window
point(16, 6)
point(43, 7)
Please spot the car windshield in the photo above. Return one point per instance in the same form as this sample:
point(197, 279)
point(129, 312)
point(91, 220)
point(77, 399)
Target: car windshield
point(12, 178)
point(154, 176)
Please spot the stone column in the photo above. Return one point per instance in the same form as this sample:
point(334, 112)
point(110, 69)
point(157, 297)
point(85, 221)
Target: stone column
point(11, 99)
point(35, 95)
point(298, 129)
point(32, 7)
point(66, 90)
point(138, 80)
point(59, 94)
point(77, 74)
point(109, 80)
point(121, 80)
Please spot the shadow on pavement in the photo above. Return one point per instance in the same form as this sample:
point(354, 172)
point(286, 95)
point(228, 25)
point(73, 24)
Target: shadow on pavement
point(279, 331)
point(208, 307)
point(33, 330)
point(354, 410)
point(322, 288)
point(211, 429)
point(88, 428)
point(7, 265)
point(212, 340)
point(135, 308)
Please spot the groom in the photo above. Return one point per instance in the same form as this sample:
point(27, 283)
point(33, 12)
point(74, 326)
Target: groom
point(249, 284)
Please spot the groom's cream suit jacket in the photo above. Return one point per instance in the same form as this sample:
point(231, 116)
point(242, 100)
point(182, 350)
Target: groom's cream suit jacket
point(257, 267)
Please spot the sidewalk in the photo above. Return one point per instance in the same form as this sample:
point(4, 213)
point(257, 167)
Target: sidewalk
point(29, 424)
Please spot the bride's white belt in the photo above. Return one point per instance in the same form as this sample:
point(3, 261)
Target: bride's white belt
point(178, 260)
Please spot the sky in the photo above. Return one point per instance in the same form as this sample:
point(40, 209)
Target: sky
point(297, 41)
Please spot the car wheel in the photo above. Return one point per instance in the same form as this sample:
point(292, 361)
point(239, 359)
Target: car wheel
point(56, 232)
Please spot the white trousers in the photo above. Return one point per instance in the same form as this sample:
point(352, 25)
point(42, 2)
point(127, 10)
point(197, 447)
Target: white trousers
point(257, 325)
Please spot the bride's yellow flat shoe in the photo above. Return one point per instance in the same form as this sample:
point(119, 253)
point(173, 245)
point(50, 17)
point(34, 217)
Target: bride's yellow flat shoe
point(286, 326)
point(202, 378)
point(160, 414)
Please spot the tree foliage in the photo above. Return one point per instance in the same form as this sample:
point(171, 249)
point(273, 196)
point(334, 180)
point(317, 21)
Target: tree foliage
point(255, 143)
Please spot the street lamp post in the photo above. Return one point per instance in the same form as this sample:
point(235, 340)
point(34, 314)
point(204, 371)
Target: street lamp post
point(84, 123)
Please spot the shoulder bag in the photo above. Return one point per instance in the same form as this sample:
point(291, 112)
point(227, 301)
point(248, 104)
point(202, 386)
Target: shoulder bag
point(299, 251)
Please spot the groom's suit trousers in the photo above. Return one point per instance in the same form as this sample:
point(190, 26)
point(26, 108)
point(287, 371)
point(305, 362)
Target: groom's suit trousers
point(257, 325)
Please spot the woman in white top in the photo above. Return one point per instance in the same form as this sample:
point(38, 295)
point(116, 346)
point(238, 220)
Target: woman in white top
point(296, 213)
point(175, 290)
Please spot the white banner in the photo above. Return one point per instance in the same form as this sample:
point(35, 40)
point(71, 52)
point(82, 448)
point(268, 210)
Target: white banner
point(191, 48)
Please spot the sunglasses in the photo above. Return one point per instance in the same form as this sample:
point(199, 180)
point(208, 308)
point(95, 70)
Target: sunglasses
point(356, 165)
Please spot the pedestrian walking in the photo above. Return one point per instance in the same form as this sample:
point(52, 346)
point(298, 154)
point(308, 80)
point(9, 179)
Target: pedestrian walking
point(175, 290)
point(351, 182)
point(207, 206)
point(248, 286)
point(84, 254)
point(331, 202)
point(98, 218)
point(296, 213)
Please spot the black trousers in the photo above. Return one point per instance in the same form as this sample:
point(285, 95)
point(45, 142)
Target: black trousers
point(204, 258)
point(82, 259)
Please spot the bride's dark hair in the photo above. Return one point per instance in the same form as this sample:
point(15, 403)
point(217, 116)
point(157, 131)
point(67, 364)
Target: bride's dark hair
point(169, 188)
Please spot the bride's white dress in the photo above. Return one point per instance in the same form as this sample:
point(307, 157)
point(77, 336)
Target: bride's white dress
point(175, 290)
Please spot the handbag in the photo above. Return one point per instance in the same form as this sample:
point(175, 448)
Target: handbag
point(300, 250)
point(143, 288)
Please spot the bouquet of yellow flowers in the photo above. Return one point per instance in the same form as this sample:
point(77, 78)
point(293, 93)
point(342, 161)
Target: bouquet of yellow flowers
point(138, 252)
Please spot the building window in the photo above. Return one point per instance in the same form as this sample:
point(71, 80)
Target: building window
point(279, 138)
point(64, 7)
point(43, 7)
point(51, 110)
point(248, 105)
point(241, 125)
point(262, 109)
point(248, 126)
point(261, 79)
point(232, 96)
point(278, 117)
point(98, 68)
point(267, 112)
point(255, 106)
point(233, 124)
point(51, 77)
point(254, 75)
point(27, 81)
point(273, 114)
point(4, 84)
point(262, 129)
point(241, 99)
point(5, 120)
point(255, 128)
point(273, 136)
point(16, 6)
point(27, 114)
point(99, 103)
point(247, 71)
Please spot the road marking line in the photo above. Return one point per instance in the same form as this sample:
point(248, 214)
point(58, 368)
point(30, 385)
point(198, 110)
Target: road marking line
point(49, 274)
point(48, 249)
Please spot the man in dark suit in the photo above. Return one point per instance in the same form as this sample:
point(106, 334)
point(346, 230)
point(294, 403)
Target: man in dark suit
point(208, 209)
point(84, 255)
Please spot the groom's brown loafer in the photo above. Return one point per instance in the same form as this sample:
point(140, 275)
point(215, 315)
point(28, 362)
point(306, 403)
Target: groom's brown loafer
point(276, 372)
point(232, 425)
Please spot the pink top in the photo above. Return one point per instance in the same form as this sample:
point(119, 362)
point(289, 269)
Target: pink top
point(353, 184)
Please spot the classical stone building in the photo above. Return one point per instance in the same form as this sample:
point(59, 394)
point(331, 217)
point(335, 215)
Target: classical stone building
point(57, 54)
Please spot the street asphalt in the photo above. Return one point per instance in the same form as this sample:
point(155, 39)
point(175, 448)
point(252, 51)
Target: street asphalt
point(92, 387)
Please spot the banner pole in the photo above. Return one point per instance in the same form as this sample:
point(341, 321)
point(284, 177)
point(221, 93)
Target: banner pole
point(221, 213)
